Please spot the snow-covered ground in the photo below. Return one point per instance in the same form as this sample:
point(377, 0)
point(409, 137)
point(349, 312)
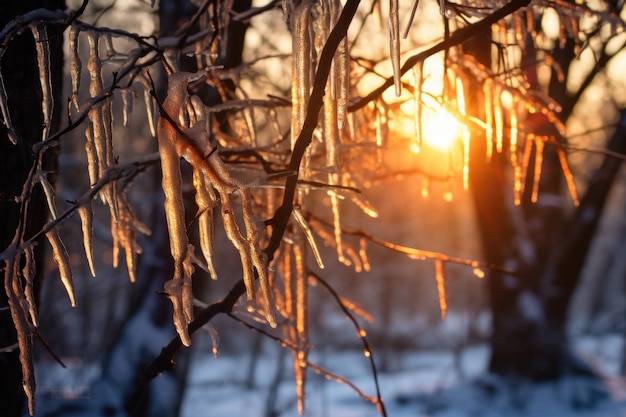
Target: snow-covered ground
point(422, 383)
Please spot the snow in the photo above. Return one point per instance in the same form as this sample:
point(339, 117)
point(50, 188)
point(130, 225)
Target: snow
point(425, 383)
point(419, 383)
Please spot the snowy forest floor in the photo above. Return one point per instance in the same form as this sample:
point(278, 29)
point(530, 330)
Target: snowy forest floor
point(414, 384)
point(422, 383)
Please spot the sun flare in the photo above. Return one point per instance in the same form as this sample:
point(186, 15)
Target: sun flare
point(440, 131)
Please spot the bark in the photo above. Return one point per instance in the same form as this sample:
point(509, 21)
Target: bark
point(21, 78)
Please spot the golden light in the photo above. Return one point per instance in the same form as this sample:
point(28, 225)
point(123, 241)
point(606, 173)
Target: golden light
point(441, 131)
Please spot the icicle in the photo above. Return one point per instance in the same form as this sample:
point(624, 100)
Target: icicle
point(206, 201)
point(288, 282)
point(42, 47)
point(75, 64)
point(150, 110)
point(489, 104)
point(498, 117)
point(62, 260)
point(569, 178)
point(92, 156)
point(517, 172)
point(13, 291)
point(297, 214)
point(539, 145)
point(440, 276)
point(99, 115)
point(29, 271)
point(466, 139)
point(85, 212)
point(127, 104)
point(259, 259)
point(124, 235)
point(96, 88)
point(334, 203)
point(528, 147)
point(175, 292)
point(418, 81)
point(174, 206)
point(394, 44)
point(466, 136)
point(302, 58)
point(341, 71)
point(49, 193)
point(300, 361)
point(363, 254)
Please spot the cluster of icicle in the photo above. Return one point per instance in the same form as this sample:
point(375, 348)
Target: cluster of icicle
point(503, 123)
point(213, 185)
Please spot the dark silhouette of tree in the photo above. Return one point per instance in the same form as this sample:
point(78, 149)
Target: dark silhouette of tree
point(19, 68)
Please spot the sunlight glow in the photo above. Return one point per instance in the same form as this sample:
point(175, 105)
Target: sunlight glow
point(441, 131)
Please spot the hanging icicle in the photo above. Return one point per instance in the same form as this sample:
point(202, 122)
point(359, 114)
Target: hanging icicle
point(394, 44)
point(49, 193)
point(498, 117)
point(440, 277)
point(75, 64)
point(206, 199)
point(62, 260)
point(302, 48)
point(539, 146)
point(341, 71)
point(28, 272)
point(302, 312)
point(489, 124)
point(19, 316)
point(42, 46)
point(85, 212)
point(258, 257)
point(569, 178)
point(174, 207)
point(127, 104)
point(466, 134)
point(418, 82)
point(308, 233)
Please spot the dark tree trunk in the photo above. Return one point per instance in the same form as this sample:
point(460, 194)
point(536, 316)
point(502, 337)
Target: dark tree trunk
point(529, 309)
point(21, 78)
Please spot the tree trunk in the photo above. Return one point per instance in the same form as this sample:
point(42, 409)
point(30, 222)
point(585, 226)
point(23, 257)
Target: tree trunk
point(529, 309)
point(21, 79)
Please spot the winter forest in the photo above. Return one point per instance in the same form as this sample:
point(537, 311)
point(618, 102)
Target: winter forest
point(312, 207)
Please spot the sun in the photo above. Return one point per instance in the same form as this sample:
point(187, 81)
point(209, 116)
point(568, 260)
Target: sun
point(440, 131)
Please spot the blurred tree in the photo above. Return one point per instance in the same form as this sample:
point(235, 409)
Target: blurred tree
point(20, 73)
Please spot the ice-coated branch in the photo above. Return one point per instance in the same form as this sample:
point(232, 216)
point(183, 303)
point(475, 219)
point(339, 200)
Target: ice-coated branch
point(456, 38)
point(281, 217)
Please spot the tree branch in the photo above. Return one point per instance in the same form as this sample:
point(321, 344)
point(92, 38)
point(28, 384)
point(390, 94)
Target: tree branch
point(456, 38)
point(281, 217)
